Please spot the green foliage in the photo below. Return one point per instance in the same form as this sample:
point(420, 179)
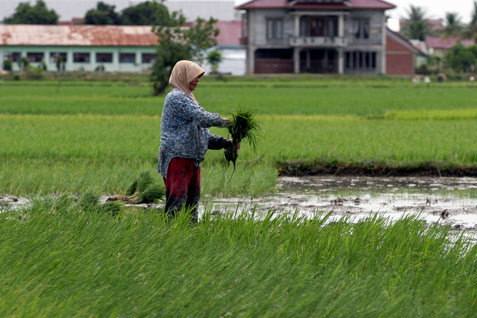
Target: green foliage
point(60, 63)
point(145, 190)
point(460, 58)
point(144, 265)
point(24, 63)
point(471, 29)
point(36, 14)
point(89, 200)
point(178, 42)
point(416, 27)
point(214, 58)
point(242, 126)
point(104, 14)
point(453, 25)
point(34, 72)
point(144, 13)
point(7, 65)
point(100, 135)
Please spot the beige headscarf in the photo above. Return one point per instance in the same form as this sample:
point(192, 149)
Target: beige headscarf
point(183, 73)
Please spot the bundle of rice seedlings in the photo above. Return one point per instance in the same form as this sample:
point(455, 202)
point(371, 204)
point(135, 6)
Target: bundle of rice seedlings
point(151, 193)
point(89, 200)
point(242, 126)
point(144, 190)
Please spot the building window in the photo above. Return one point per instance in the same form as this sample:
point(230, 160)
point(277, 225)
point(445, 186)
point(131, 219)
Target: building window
point(13, 56)
point(127, 58)
point(360, 60)
point(81, 57)
point(148, 58)
point(104, 57)
point(55, 55)
point(35, 57)
point(274, 29)
point(361, 28)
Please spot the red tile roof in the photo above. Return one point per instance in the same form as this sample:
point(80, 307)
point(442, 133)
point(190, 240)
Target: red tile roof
point(445, 43)
point(76, 35)
point(351, 4)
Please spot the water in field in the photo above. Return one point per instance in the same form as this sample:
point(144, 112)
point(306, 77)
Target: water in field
point(450, 201)
point(446, 200)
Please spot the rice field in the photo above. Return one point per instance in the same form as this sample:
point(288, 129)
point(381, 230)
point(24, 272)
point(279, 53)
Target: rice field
point(139, 264)
point(98, 135)
point(59, 141)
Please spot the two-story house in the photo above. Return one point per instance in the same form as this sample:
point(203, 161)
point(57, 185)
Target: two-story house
point(315, 36)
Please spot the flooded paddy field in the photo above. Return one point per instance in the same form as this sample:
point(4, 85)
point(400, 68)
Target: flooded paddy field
point(450, 201)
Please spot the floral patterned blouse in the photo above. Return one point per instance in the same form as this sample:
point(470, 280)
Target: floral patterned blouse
point(184, 132)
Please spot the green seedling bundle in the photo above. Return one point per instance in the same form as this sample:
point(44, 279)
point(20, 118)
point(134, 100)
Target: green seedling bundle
point(243, 126)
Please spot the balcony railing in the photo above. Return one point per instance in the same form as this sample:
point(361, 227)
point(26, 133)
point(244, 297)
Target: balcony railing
point(311, 41)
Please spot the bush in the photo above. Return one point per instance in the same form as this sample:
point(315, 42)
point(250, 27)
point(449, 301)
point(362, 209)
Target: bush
point(7, 65)
point(34, 73)
point(423, 70)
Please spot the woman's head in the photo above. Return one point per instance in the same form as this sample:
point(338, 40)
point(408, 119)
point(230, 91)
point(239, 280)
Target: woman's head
point(185, 76)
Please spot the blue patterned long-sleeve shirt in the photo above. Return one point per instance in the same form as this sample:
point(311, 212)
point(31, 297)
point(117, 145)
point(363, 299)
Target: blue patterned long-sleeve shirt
point(184, 132)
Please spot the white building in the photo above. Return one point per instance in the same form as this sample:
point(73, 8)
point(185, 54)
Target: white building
point(82, 47)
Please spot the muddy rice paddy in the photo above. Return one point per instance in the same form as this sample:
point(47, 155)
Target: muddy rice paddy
point(447, 200)
point(450, 201)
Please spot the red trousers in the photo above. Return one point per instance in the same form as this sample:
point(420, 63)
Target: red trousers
point(182, 186)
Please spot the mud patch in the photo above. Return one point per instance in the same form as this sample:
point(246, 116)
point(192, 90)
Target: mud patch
point(449, 201)
point(11, 202)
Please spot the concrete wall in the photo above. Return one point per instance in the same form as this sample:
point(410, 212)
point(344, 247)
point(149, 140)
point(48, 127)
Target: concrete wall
point(114, 66)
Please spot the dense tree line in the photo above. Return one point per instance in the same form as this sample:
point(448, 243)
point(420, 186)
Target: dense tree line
point(36, 14)
point(144, 13)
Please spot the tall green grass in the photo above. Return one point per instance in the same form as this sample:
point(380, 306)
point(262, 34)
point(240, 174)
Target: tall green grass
point(58, 260)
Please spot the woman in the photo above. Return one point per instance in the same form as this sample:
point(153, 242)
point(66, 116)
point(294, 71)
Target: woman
point(185, 139)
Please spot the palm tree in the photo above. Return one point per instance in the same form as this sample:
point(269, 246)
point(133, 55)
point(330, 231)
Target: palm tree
point(471, 30)
point(453, 25)
point(417, 27)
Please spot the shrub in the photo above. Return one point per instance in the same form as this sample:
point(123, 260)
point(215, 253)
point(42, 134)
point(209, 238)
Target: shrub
point(7, 65)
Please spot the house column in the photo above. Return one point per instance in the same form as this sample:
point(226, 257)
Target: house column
point(251, 60)
point(340, 61)
point(297, 25)
point(341, 26)
point(69, 60)
point(296, 60)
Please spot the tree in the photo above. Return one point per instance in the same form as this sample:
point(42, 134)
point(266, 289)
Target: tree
point(453, 26)
point(471, 31)
point(7, 65)
point(417, 27)
point(460, 59)
point(214, 58)
point(145, 13)
point(37, 14)
point(104, 14)
point(177, 42)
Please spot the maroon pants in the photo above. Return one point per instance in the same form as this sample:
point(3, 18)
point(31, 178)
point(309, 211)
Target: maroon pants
point(182, 186)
